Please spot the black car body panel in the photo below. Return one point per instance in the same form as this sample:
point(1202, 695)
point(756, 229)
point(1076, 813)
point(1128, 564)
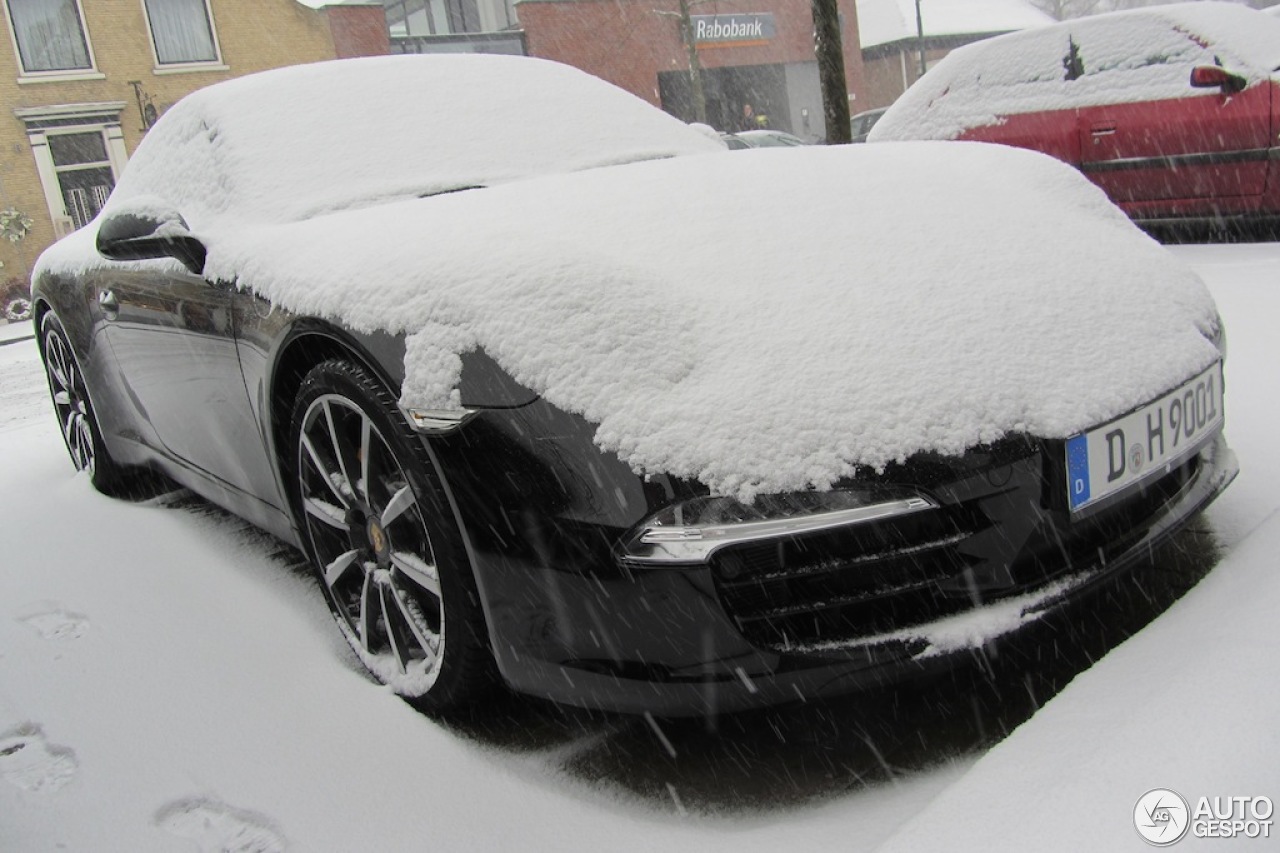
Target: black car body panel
point(799, 617)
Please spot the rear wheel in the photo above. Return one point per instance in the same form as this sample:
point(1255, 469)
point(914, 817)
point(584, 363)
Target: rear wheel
point(76, 419)
point(382, 538)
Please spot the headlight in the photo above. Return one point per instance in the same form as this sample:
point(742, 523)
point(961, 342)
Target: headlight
point(1218, 337)
point(691, 531)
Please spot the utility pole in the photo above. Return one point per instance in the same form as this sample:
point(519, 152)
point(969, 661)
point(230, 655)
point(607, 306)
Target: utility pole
point(829, 50)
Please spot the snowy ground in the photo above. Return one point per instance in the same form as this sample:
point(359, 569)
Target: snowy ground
point(170, 680)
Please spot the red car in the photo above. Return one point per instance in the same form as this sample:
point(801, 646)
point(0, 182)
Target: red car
point(1171, 110)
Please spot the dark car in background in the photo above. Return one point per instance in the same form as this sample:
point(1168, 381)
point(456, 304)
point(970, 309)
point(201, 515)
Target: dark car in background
point(861, 123)
point(1172, 110)
point(761, 139)
point(575, 411)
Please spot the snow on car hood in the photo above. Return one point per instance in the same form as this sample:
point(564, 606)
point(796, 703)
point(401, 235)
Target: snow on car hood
point(1136, 55)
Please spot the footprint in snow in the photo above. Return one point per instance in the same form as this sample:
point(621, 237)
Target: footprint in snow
point(219, 828)
point(54, 623)
point(30, 762)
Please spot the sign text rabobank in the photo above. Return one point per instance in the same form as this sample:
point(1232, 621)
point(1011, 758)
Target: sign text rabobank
point(730, 29)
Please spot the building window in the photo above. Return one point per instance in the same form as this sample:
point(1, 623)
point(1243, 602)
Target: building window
point(50, 35)
point(84, 173)
point(448, 17)
point(182, 31)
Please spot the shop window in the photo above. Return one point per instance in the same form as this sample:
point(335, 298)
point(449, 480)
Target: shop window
point(182, 31)
point(50, 35)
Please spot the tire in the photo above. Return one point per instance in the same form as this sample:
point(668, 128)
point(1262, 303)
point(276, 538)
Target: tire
point(383, 541)
point(76, 419)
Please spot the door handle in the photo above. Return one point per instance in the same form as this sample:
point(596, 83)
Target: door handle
point(109, 304)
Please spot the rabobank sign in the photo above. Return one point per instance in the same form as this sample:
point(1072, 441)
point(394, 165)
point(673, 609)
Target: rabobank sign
point(712, 30)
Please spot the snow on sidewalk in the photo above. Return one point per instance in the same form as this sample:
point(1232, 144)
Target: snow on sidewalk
point(1187, 704)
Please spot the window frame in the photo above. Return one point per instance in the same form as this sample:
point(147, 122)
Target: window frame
point(43, 122)
point(215, 64)
point(64, 74)
point(59, 171)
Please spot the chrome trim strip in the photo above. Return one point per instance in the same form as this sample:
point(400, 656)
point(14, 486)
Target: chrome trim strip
point(659, 546)
point(1174, 161)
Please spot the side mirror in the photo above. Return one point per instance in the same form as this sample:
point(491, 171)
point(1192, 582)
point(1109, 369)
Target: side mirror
point(1213, 77)
point(146, 227)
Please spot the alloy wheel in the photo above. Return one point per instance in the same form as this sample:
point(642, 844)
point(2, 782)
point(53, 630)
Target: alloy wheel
point(374, 551)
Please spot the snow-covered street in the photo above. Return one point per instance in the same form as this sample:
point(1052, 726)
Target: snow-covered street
point(171, 680)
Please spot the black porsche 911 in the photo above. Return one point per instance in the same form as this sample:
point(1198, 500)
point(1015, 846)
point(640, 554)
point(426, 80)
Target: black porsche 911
point(547, 400)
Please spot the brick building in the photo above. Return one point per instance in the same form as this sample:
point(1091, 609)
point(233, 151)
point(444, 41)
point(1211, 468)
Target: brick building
point(763, 57)
point(81, 80)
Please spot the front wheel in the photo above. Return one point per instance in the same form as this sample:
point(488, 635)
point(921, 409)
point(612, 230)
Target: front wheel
point(383, 541)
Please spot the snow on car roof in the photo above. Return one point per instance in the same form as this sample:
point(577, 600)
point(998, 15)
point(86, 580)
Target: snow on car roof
point(766, 321)
point(1136, 55)
point(309, 139)
point(884, 21)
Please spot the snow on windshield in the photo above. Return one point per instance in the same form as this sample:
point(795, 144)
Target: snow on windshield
point(763, 321)
point(1145, 54)
point(310, 139)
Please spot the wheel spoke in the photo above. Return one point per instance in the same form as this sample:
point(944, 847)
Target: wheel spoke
point(400, 501)
point(69, 428)
point(62, 398)
point(366, 450)
point(82, 452)
point(345, 483)
point(335, 570)
point(419, 571)
point(389, 604)
point(367, 616)
point(329, 477)
point(427, 640)
point(90, 458)
point(57, 362)
point(325, 512)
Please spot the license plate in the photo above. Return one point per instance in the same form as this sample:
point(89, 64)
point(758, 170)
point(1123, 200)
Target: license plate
point(1110, 458)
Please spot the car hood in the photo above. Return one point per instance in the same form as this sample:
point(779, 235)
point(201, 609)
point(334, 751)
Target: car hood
point(767, 321)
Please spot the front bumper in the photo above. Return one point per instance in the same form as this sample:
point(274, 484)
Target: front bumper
point(806, 617)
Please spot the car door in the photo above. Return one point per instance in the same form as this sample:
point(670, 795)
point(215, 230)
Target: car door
point(1208, 145)
point(1178, 149)
point(172, 338)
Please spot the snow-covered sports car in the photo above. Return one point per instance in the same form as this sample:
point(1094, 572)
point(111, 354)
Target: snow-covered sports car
point(549, 396)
